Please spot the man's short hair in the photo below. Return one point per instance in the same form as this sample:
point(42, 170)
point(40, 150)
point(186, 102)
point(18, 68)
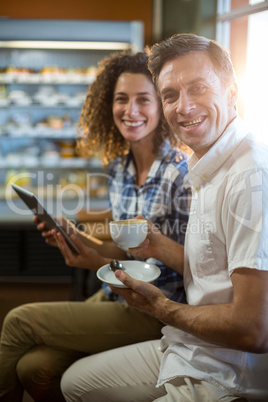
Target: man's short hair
point(182, 44)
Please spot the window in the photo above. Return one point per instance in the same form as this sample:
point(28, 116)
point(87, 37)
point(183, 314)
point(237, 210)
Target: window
point(242, 27)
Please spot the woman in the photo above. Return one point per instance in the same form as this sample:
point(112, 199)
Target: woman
point(121, 116)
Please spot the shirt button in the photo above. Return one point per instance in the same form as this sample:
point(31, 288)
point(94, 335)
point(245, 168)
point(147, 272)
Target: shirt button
point(197, 189)
point(204, 175)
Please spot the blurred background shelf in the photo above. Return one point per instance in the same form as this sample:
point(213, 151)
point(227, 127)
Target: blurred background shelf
point(46, 67)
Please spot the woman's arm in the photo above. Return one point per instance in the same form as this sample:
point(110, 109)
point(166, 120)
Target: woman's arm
point(160, 247)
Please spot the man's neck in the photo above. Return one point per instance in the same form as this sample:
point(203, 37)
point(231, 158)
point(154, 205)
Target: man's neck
point(200, 154)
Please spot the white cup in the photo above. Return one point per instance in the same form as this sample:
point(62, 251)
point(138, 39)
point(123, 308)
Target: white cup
point(129, 233)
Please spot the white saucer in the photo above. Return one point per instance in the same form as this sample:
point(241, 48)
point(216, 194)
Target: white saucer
point(140, 270)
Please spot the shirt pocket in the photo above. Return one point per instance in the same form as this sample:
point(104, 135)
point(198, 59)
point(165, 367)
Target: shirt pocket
point(208, 255)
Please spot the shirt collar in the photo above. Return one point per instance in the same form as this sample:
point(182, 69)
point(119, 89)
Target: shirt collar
point(130, 168)
point(162, 154)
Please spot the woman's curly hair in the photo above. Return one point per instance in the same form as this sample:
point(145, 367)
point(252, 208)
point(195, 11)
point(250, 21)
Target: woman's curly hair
point(97, 131)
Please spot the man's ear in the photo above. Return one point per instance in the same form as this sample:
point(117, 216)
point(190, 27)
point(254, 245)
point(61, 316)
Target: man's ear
point(233, 94)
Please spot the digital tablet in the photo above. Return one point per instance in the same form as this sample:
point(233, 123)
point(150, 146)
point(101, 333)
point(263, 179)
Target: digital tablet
point(39, 210)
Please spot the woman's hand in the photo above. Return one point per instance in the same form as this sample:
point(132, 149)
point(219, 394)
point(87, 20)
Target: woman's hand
point(88, 257)
point(161, 247)
point(48, 235)
point(151, 245)
point(45, 232)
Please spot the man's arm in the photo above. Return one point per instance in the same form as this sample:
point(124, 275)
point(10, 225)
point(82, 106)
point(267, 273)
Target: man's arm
point(242, 324)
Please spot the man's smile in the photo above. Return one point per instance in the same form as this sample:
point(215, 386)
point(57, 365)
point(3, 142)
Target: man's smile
point(192, 123)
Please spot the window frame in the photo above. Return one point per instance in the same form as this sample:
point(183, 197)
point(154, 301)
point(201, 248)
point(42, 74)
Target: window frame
point(225, 15)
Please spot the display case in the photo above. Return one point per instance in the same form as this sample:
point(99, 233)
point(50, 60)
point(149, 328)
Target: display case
point(46, 67)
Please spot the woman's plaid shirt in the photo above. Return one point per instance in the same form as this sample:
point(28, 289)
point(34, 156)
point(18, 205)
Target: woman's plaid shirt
point(162, 199)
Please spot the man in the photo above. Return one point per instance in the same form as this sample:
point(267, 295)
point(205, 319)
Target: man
point(216, 347)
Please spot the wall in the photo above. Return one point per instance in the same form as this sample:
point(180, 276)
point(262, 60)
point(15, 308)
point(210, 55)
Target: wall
point(121, 10)
point(195, 16)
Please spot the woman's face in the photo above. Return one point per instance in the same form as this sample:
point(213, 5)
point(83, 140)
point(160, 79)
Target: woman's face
point(136, 107)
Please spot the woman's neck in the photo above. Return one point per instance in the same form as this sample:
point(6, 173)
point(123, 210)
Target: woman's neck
point(144, 158)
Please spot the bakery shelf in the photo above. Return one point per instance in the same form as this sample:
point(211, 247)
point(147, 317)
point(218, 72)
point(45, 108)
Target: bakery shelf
point(63, 55)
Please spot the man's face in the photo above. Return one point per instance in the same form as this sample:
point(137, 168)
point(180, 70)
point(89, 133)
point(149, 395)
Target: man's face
point(196, 104)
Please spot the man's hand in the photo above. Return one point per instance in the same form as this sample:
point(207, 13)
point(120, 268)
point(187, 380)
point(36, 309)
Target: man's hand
point(141, 295)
